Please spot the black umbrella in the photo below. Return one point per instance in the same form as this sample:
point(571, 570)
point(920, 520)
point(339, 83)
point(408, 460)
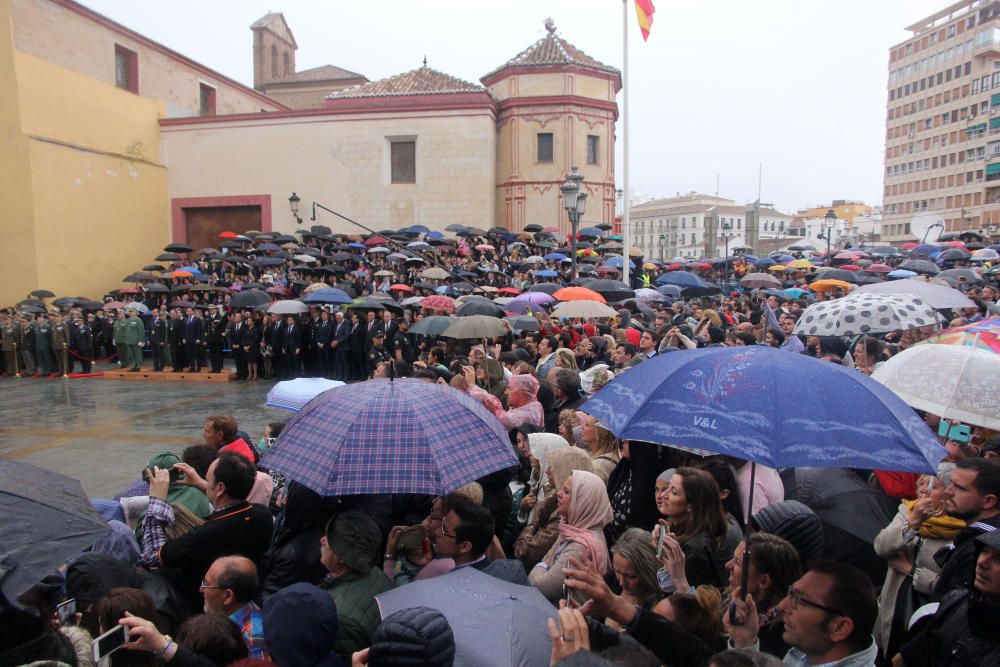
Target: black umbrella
point(250, 298)
point(268, 261)
point(35, 303)
point(477, 307)
point(523, 323)
point(548, 288)
point(285, 238)
point(532, 228)
point(87, 304)
point(46, 519)
point(154, 267)
point(853, 512)
point(267, 247)
point(320, 230)
point(919, 266)
point(137, 277)
point(455, 228)
point(839, 274)
point(42, 294)
point(65, 301)
point(178, 247)
point(230, 244)
point(342, 257)
point(612, 290)
point(167, 257)
point(497, 231)
point(953, 254)
point(182, 303)
point(157, 287)
point(370, 303)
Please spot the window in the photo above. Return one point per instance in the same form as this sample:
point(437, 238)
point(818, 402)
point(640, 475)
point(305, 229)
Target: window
point(126, 69)
point(593, 145)
point(206, 105)
point(286, 64)
point(544, 147)
point(403, 160)
point(274, 61)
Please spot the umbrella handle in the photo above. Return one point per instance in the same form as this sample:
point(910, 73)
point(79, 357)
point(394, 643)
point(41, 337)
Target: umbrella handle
point(745, 574)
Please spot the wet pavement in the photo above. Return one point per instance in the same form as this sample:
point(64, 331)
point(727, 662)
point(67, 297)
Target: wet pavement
point(103, 432)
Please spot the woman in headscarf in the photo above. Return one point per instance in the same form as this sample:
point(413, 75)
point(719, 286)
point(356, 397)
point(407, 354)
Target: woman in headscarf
point(540, 445)
point(584, 510)
point(489, 377)
point(522, 391)
point(542, 529)
point(602, 445)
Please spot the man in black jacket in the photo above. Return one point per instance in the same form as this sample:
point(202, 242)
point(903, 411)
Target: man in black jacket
point(291, 348)
point(176, 342)
point(236, 335)
point(341, 348)
point(157, 338)
point(234, 527)
point(194, 334)
point(216, 332)
point(323, 335)
point(974, 496)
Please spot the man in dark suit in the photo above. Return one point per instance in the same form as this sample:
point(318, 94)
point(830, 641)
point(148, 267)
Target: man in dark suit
point(157, 338)
point(216, 326)
point(373, 324)
point(359, 347)
point(465, 534)
point(291, 347)
point(193, 336)
point(236, 335)
point(323, 335)
point(341, 347)
point(176, 334)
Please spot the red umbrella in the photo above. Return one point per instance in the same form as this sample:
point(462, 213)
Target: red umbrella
point(508, 290)
point(851, 267)
point(879, 268)
point(674, 267)
point(955, 244)
point(704, 265)
point(129, 290)
point(401, 287)
point(439, 302)
point(908, 246)
point(113, 305)
point(551, 230)
point(276, 290)
point(227, 235)
point(373, 241)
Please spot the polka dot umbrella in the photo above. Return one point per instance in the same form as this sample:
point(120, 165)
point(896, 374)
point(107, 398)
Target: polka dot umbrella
point(865, 313)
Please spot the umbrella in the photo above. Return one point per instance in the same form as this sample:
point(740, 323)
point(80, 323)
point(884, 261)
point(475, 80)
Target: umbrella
point(294, 394)
point(390, 436)
point(523, 323)
point(439, 302)
point(42, 294)
point(681, 279)
point(672, 291)
point(734, 401)
point(583, 309)
point(435, 273)
point(327, 295)
point(759, 281)
point(267, 261)
point(649, 294)
point(46, 520)
point(955, 382)
point(985, 254)
point(494, 622)
point(400, 287)
point(982, 335)
point(479, 307)
point(154, 267)
point(796, 292)
point(953, 254)
point(412, 301)
point(547, 288)
point(250, 298)
point(476, 326)
point(287, 307)
point(537, 298)
point(555, 257)
point(578, 294)
point(865, 313)
point(114, 305)
point(227, 235)
point(825, 285)
point(853, 513)
point(920, 266)
point(434, 325)
point(532, 228)
point(590, 231)
point(168, 257)
point(612, 290)
point(546, 273)
point(961, 275)
point(178, 247)
point(938, 296)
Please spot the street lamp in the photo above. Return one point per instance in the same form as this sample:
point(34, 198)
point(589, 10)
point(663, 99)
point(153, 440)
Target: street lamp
point(663, 242)
point(829, 220)
point(726, 228)
point(293, 203)
point(575, 203)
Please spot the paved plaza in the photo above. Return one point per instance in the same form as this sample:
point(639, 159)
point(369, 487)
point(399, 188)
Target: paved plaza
point(103, 432)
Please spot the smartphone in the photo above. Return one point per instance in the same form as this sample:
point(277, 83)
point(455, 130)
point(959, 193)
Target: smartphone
point(66, 611)
point(956, 432)
point(659, 543)
point(568, 596)
point(109, 642)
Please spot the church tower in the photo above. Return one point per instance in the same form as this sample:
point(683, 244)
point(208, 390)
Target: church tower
point(273, 50)
point(556, 110)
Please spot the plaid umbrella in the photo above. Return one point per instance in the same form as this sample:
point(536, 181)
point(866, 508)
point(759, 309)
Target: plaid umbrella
point(390, 436)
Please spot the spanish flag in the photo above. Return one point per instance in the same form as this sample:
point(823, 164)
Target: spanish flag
point(644, 12)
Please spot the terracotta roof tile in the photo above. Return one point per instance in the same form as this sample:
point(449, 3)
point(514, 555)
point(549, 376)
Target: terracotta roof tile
point(421, 81)
point(553, 50)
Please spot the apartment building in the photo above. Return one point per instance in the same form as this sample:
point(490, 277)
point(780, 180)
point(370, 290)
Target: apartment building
point(942, 152)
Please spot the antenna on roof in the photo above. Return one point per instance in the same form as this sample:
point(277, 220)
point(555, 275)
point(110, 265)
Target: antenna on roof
point(550, 25)
point(425, 61)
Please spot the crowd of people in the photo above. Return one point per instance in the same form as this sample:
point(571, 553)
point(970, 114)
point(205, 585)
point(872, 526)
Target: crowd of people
point(214, 560)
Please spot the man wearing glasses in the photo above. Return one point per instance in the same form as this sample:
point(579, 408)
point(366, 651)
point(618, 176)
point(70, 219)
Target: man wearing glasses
point(829, 615)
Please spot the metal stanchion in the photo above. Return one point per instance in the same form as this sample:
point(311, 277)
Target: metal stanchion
point(17, 364)
point(65, 362)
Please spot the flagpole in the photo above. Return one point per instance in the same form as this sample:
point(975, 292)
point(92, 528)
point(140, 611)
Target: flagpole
point(626, 198)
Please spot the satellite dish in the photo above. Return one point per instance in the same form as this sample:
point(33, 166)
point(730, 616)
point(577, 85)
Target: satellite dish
point(927, 227)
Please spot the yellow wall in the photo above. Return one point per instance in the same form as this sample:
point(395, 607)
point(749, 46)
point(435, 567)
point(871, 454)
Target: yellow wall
point(92, 208)
point(844, 212)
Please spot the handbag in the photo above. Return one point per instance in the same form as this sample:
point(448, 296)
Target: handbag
point(908, 600)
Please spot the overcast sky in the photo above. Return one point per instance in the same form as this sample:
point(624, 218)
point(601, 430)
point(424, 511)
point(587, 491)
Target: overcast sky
point(798, 86)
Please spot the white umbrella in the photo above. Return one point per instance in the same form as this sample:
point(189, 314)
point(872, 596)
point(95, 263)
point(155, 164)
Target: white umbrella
point(287, 307)
point(760, 281)
point(955, 382)
point(411, 300)
point(435, 273)
point(535, 259)
point(865, 313)
point(584, 309)
point(294, 394)
point(308, 259)
point(938, 296)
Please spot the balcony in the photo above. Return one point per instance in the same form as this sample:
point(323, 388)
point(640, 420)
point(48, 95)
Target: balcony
point(987, 42)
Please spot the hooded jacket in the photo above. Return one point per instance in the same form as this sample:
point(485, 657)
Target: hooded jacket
point(301, 623)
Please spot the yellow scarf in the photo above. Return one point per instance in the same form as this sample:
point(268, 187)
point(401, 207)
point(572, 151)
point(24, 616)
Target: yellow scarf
point(938, 527)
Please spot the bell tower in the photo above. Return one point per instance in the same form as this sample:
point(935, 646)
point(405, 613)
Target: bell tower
point(273, 50)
